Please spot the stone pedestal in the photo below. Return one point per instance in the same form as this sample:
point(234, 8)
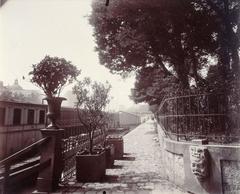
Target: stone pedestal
point(51, 161)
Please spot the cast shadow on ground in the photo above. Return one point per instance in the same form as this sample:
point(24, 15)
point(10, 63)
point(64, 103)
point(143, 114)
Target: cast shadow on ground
point(117, 167)
point(110, 179)
point(130, 158)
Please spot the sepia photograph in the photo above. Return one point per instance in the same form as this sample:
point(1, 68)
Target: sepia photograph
point(119, 96)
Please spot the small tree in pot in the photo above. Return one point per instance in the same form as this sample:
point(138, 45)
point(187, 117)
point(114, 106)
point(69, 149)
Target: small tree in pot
point(92, 99)
point(51, 74)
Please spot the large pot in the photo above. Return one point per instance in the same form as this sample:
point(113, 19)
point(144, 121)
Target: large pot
point(117, 142)
point(110, 155)
point(90, 168)
point(54, 110)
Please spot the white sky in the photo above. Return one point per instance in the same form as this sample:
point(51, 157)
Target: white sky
point(31, 29)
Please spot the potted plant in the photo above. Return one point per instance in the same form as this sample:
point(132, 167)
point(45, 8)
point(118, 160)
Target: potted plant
point(92, 99)
point(51, 74)
point(110, 155)
point(117, 143)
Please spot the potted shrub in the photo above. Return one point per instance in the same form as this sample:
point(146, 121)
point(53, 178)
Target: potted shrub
point(92, 99)
point(51, 74)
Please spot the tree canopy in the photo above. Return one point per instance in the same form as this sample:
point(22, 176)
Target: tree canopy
point(152, 85)
point(178, 39)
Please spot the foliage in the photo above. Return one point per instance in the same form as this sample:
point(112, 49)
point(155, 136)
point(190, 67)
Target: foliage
point(52, 73)
point(92, 99)
point(230, 88)
point(180, 38)
point(152, 85)
point(225, 14)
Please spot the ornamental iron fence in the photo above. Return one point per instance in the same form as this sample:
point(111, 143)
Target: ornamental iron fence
point(193, 116)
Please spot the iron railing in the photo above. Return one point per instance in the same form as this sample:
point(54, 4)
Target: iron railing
point(192, 116)
point(77, 141)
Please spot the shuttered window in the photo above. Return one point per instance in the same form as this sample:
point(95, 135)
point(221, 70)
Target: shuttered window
point(17, 113)
point(2, 116)
point(41, 116)
point(30, 119)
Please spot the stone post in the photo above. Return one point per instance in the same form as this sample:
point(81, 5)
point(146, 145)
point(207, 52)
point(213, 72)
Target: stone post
point(51, 161)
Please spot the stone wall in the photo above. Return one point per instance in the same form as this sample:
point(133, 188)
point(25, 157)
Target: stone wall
point(201, 169)
point(174, 167)
point(231, 176)
point(173, 163)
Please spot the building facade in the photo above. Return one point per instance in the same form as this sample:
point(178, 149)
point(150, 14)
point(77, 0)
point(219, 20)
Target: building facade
point(123, 119)
point(20, 125)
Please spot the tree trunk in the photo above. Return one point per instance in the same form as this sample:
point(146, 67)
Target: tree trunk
point(90, 142)
point(179, 62)
point(182, 74)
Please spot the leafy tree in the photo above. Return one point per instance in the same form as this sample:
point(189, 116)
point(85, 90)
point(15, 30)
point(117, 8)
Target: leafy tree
point(152, 85)
point(134, 34)
point(177, 37)
point(92, 99)
point(225, 14)
point(52, 73)
point(217, 84)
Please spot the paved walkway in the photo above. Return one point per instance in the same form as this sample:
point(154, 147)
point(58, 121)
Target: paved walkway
point(139, 171)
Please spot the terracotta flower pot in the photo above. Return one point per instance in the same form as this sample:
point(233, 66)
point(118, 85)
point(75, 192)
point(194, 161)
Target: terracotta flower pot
point(54, 110)
point(90, 168)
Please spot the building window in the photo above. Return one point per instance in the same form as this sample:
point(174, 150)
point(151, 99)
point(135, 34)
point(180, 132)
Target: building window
point(17, 113)
point(2, 116)
point(30, 119)
point(41, 116)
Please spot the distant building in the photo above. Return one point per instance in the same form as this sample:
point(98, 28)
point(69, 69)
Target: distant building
point(15, 92)
point(20, 125)
point(123, 119)
point(15, 86)
point(144, 116)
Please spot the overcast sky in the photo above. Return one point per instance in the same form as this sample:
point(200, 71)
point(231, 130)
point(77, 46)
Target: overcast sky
point(31, 29)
